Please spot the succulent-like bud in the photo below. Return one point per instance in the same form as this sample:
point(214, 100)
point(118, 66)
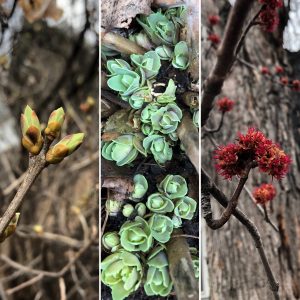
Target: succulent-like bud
point(164, 52)
point(32, 138)
point(113, 206)
point(64, 148)
point(136, 235)
point(122, 272)
point(159, 147)
point(161, 227)
point(111, 241)
point(140, 187)
point(123, 150)
point(158, 203)
point(148, 111)
point(141, 209)
point(177, 14)
point(167, 118)
point(147, 129)
point(159, 29)
point(117, 66)
point(185, 208)
point(169, 94)
point(177, 222)
point(148, 64)
point(11, 228)
point(158, 281)
point(55, 123)
point(181, 56)
point(139, 97)
point(127, 210)
point(196, 118)
point(173, 186)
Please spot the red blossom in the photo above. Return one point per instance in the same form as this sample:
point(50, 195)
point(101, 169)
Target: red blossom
point(225, 104)
point(228, 161)
point(272, 160)
point(272, 3)
point(296, 85)
point(264, 193)
point(214, 19)
point(279, 69)
point(252, 147)
point(269, 19)
point(265, 70)
point(284, 80)
point(214, 38)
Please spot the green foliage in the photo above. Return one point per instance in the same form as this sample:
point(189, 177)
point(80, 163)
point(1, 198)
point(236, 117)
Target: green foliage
point(158, 281)
point(136, 235)
point(140, 187)
point(164, 52)
point(122, 272)
point(159, 147)
point(185, 207)
point(113, 206)
point(161, 227)
point(158, 203)
point(173, 186)
point(177, 222)
point(169, 94)
point(111, 241)
point(123, 150)
point(127, 210)
point(139, 97)
point(141, 209)
point(181, 56)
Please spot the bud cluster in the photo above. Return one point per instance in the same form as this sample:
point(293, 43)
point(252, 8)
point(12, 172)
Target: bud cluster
point(269, 16)
point(264, 193)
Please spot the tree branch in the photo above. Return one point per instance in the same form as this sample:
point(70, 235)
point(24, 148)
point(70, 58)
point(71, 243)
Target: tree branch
point(212, 189)
point(226, 56)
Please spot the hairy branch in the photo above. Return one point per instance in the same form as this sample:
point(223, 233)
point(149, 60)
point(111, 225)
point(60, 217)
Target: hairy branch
point(226, 56)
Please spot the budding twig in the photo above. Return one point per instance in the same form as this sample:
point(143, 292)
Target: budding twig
point(209, 188)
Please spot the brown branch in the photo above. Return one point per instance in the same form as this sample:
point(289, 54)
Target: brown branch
point(181, 268)
point(217, 129)
point(25, 284)
point(189, 137)
point(117, 42)
point(212, 189)
point(226, 56)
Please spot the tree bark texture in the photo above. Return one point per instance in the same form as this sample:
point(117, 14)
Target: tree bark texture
point(235, 269)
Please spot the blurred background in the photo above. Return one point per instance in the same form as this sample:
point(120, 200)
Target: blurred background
point(49, 58)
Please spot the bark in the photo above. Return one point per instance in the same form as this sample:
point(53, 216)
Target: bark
point(235, 268)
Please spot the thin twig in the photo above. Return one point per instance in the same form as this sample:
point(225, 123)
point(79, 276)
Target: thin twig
point(218, 128)
point(25, 284)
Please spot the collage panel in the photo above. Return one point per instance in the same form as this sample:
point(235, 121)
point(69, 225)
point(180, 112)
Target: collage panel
point(250, 149)
point(49, 150)
point(150, 150)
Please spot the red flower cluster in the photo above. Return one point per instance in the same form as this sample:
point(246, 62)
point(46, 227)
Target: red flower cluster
point(253, 146)
point(214, 38)
point(214, 20)
point(265, 70)
point(279, 69)
point(269, 16)
point(296, 85)
point(225, 104)
point(284, 80)
point(264, 193)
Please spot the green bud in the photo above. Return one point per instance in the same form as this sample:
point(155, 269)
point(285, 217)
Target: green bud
point(140, 187)
point(11, 228)
point(178, 15)
point(167, 118)
point(113, 206)
point(55, 123)
point(147, 129)
point(139, 97)
point(159, 147)
point(64, 148)
point(127, 210)
point(181, 56)
point(173, 186)
point(196, 118)
point(107, 52)
point(141, 209)
point(158, 203)
point(122, 272)
point(185, 208)
point(147, 113)
point(164, 52)
point(161, 227)
point(158, 281)
point(123, 150)
point(177, 222)
point(118, 66)
point(111, 241)
point(32, 138)
point(173, 136)
point(169, 94)
point(148, 64)
point(159, 29)
point(136, 235)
